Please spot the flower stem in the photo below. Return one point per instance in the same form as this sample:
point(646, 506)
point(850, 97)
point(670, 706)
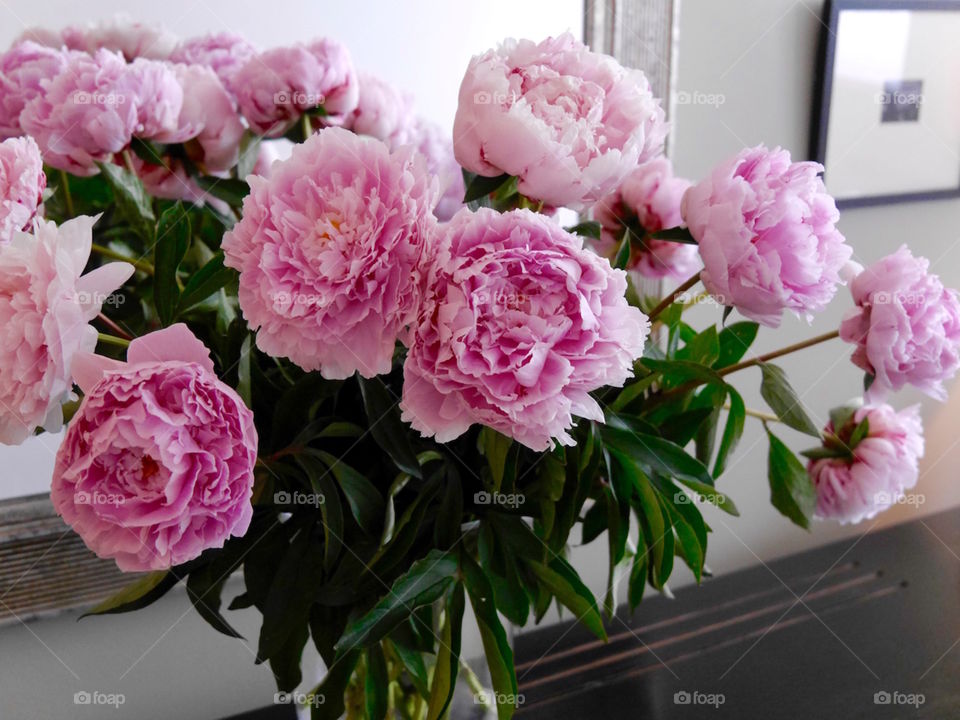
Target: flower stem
point(307, 126)
point(476, 687)
point(113, 340)
point(669, 299)
point(778, 353)
point(113, 326)
point(766, 417)
point(108, 253)
point(67, 197)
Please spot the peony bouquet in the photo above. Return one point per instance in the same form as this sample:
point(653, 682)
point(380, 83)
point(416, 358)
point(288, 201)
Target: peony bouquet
point(290, 338)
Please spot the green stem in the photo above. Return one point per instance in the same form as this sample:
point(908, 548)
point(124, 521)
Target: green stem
point(113, 340)
point(778, 353)
point(766, 417)
point(669, 299)
point(67, 197)
point(140, 265)
point(307, 126)
point(476, 687)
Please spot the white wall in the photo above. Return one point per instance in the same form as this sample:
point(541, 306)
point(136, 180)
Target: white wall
point(189, 671)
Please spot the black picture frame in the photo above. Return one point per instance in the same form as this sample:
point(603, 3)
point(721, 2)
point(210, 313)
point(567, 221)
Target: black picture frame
point(824, 87)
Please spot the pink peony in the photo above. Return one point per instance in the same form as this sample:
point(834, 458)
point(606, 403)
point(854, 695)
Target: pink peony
point(207, 118)
point(40, 36)
point(906, 325)
point(86, 113)
point(123, 35)
point(570, 123)
point(269, 152)
point(519, 324)
point(382, 111)
point(158, 97)
point(45, 308)
point(21, 184)
point(873, 474)
point(275, 88)
point(157, 464)
point(224, 53)
point(329, 251)
point(436, 146)
point(647, 201)
point(22, 69)
point(767, 236)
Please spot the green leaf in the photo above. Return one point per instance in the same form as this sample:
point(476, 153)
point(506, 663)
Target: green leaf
point(589, 229)
point(140, 594)
point(330, 508)
point(481, 186)
point(365, 501)
point(133, 201)
point(249, 152)
point(657, 456)
point(859, 432)
point(622, 257)
point(205, 282)
point(448, 656)
point(376, 684)
point(678, 234)
point(782, 399)
point(244, 387)
point(173, 241)
point(333, 687)
point(703, 348)
point(563, 583)
point(495, 448)
point(690, 532)
point(496, 645)
point(412, 660)
point(231, 190)
point(204, 587)
point(732, 431)
point(791, 490)
point(425, 582)
point(735, 340)
point(390, 432)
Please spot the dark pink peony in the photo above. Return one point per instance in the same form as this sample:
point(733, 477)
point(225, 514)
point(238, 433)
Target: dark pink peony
point(767, 238)
point(330, 250)
point(906, 325)
point(518, 325)
point(570, 123)
point(647, 201)
point(157, 464)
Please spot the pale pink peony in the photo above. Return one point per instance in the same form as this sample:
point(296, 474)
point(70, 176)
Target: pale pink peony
point(22, 68)
point(766, 232)
point(519, 324)
point(269, 152)
point(224, 53)
point(207, 118)
point(123, 35)
point(330, 250)
point(21, 185)
point(40, 36)
point(906, 325)
point(647, 201)
point(86, 114)
point(45, 310)
point(877, 471)
point(275, 88)
point(382, 111)
point(436, 146)
point(157, 464)
point(570, 123)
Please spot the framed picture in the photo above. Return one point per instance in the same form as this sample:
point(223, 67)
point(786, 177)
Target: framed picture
point(887, 125)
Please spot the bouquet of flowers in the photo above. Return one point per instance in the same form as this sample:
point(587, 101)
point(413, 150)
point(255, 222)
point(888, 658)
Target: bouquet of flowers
point(381, 388)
